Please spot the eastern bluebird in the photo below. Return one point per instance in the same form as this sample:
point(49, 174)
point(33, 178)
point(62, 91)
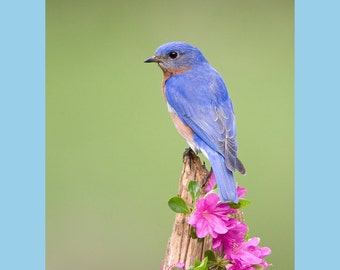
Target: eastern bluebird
point(201, 110)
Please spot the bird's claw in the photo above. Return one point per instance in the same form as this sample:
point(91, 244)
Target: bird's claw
point(190, 155)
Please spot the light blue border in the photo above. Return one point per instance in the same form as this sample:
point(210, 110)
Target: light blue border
point(22, 135)
point(317, 136)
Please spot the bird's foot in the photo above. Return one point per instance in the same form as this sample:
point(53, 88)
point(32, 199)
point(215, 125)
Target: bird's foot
point(190, 155)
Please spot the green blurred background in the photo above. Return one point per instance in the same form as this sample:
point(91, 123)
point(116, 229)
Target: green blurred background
point(113, 155)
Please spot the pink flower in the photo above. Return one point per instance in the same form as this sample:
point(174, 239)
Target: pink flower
point(234, 236)
point(248, 253)
point(241, 192)
point(211, 216)
point(228, 234)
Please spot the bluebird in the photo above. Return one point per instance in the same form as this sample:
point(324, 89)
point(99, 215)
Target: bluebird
point(201, 109)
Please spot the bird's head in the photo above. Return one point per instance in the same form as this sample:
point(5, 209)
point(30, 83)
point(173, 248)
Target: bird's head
point(176, 57)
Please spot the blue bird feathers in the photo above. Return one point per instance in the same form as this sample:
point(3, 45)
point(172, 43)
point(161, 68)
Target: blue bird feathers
point(201, 110)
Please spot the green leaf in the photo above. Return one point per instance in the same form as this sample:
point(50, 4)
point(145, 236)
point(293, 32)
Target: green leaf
point(210, 255)
point(200, 240)
point(241, 203)
point(197, 263)
point(203, 265)
point(194, 190)
point(178, 205)
point(193, 233)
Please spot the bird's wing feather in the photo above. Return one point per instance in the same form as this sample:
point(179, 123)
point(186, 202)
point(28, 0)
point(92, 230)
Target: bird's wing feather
point(203, 104)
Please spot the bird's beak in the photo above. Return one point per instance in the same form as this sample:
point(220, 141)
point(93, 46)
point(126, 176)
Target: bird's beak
point(152, 59)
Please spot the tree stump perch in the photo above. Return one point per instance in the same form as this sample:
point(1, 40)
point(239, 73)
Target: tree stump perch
point(182, 248)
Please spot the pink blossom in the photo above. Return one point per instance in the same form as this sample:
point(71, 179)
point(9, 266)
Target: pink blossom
point(211, 216)
point(241, 192)
point(234, 236)
point(248, 253)
point(228, 234)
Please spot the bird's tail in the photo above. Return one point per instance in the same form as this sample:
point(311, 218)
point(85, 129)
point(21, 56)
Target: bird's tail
point(224, 178)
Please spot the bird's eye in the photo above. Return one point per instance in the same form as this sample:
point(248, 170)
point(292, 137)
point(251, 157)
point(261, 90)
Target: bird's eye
point(173, 55)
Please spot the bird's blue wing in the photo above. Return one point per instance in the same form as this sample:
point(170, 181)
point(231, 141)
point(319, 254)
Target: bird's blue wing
point(202, 103)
